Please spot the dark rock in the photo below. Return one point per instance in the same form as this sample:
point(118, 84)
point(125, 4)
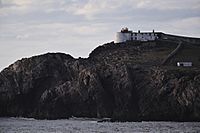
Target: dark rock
point(125, 82)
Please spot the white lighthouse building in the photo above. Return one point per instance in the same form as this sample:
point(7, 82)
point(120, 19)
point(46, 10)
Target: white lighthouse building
point(126, 35)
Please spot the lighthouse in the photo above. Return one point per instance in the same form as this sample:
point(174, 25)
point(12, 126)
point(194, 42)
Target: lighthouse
point(127, 35)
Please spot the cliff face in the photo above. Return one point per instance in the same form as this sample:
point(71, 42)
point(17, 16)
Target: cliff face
point(122, 81)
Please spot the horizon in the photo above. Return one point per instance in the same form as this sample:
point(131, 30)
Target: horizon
point(76, 27)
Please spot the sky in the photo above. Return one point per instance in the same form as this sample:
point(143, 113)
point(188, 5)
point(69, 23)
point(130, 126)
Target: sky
point(76, 27)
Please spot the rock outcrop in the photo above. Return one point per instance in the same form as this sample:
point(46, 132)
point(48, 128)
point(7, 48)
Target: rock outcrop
point(123, 81)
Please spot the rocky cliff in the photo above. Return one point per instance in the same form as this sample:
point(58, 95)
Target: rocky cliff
point(123, 81)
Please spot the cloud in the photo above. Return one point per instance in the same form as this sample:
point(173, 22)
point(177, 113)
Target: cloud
point(25, 36)
point(91, 8)
point(19, 2)
point(31, 27)
point(81, 14)
point(94, 7)
point(14, 7)
point(167, 5)
point(188, 25)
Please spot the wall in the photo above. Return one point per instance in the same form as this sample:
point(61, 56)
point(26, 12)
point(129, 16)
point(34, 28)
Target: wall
point(192, 40)
point(122, 37)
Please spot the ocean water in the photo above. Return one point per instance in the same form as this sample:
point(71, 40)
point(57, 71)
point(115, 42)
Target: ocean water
point(25, 125)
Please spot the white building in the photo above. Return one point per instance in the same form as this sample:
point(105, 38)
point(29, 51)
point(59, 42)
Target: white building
point(126, 35)
point(185, 64)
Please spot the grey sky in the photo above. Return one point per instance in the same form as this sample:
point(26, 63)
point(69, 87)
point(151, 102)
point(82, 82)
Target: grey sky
point(32, 27)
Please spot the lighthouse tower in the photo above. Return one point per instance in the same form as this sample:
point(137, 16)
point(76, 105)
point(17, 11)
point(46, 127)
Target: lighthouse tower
point(123, 36)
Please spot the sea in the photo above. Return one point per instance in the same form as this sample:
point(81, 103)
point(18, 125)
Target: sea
point(29, 125)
